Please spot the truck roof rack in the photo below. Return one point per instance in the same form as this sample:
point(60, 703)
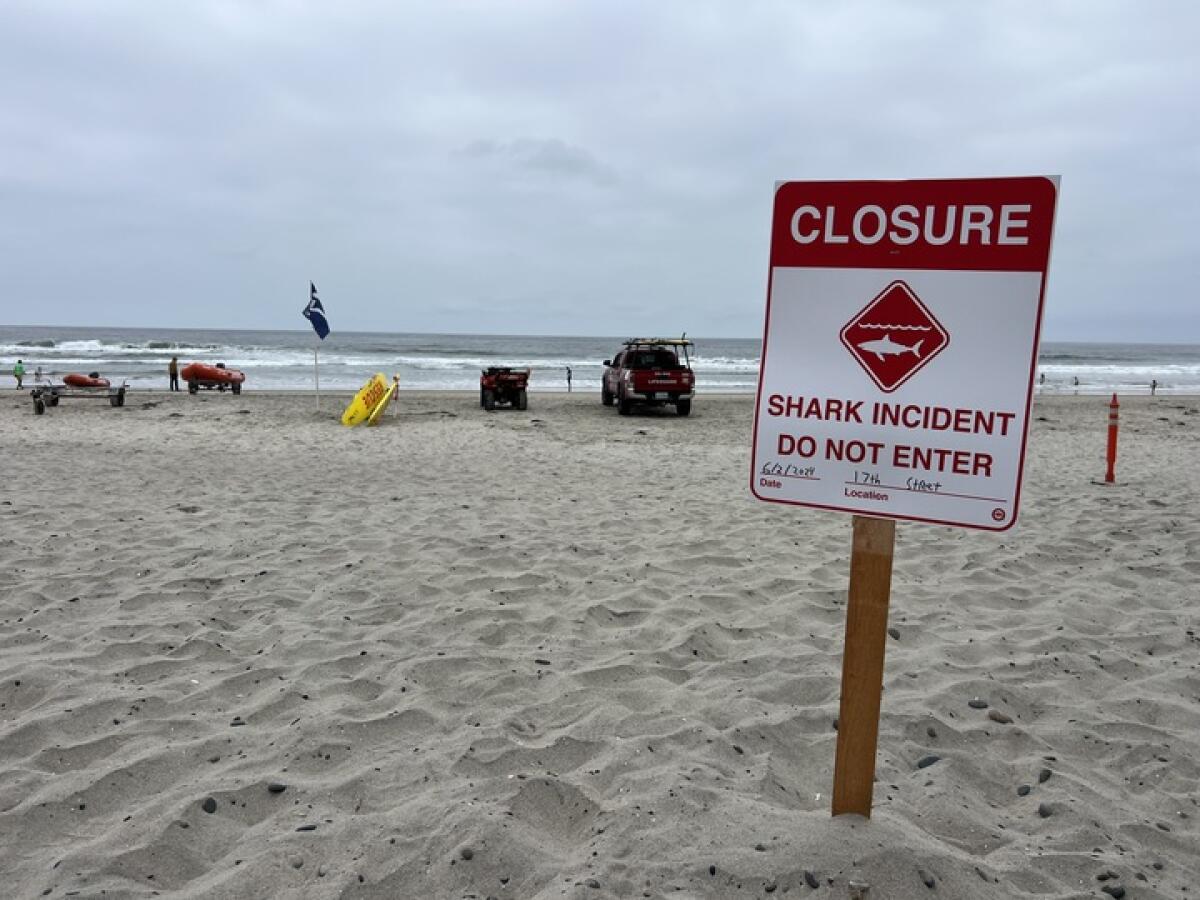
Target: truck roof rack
point(669, 342)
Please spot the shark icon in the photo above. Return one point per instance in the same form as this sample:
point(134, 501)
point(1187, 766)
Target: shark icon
point(885, 346)
point(873, 336)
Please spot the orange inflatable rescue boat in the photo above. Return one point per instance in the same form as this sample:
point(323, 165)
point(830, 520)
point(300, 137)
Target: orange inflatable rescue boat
point(202, 375)
point(91, 380)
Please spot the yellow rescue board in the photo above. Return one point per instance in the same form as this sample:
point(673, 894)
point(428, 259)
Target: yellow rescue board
point(365, 401)
point(379, 410)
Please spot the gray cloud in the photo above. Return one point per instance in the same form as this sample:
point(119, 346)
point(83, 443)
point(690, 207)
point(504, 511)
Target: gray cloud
point(540, 156)
point(546, 167)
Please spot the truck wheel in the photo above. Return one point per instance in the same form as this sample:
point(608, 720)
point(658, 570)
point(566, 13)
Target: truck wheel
point(193, 387)
point(605, 397)
point(489, 400)
point(482, 392)
point(522, 400)
point(683, 407)
point(624, 407)
point(39, 406)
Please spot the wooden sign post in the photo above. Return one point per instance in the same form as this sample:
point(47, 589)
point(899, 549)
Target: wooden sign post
point(862, 664)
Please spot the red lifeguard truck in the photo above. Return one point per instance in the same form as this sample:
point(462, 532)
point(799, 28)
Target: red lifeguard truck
point(649, 372)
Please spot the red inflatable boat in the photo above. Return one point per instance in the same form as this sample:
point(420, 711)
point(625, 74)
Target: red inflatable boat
point(92, 380)
point(202, 375)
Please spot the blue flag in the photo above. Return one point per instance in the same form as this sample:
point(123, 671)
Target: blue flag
point(315, 313)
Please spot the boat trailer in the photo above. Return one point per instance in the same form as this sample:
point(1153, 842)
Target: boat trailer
point(49, 395)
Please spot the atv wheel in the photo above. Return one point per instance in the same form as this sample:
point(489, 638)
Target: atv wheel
point(683, 407)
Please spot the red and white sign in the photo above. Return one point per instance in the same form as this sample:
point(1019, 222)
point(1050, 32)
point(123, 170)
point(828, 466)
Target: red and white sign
point(900, 347)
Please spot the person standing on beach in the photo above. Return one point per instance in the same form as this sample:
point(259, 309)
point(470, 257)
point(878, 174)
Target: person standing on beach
point(568, 379)
point(19, 373)
point(1153, 386)
point(173, 371)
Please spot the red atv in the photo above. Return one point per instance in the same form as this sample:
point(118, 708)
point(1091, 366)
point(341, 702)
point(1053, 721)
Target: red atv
point(503, 385)
point(648, 372)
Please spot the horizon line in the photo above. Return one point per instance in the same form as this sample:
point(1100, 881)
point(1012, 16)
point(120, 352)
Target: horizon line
point(492, 334)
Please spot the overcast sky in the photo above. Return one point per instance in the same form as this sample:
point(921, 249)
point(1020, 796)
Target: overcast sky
point(565, 167)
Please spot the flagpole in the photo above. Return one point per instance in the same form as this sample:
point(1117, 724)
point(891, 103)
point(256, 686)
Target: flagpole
point(315, 313)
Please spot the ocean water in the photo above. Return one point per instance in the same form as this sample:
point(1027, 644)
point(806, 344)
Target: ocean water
point(283, 360)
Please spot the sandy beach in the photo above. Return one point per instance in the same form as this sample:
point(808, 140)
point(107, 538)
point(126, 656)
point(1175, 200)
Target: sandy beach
point(246, 652)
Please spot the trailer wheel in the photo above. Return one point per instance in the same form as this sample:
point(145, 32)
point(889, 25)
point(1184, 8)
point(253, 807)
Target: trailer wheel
point(683, 407)
point(522, 400)
point(489, 400)
point(193, 387)
point(236, 388)
point(53, 400)
point(39, 406)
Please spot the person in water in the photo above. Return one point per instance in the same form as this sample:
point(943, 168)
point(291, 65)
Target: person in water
point(19, 373)
point(173, 372)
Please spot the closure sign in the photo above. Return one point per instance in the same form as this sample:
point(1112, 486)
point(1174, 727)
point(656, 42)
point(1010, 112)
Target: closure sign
point(900, 347)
